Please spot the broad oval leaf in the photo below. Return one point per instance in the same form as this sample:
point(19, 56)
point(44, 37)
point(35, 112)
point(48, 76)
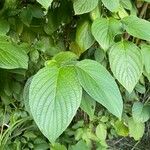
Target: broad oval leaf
point(137, 27)
point(12, 56)
point(84, 6)
point(100, 85)
point(84, 37)
point(54, 98)
point(104, 30)
point(45, 3)
point(112, 5)
point(140, 112)
point(126, 63)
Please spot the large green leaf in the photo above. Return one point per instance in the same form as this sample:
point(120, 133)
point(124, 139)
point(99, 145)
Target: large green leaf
point(45, 3)
point(84, 37)
point(84, 6)
point(146, 57)
point(137, 27)
point(126, 63)
point(112, 5)
point(104, 31)
point(12, 56)
point(54, 98)
point(140, 112)
point(100, 85)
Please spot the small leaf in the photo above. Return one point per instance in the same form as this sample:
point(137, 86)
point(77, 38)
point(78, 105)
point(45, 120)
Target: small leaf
point(84, 37)
point(121, 128)
point(84, 6)
point(137, 27)
point(112, 5)
point(97, 81)
point(12, 56)
point(4, 27)
point(104, 30)
point(126, 63)
point(136, 129)
point(81, 145)
point(140, 112)
point(146, 57)
point(54, 98)
point(101, 132)
point(88, 105)
point(45, 3)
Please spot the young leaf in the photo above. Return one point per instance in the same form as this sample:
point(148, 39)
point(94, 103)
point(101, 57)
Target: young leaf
point(84, 6)
point(88, 105)
point(84, 37)
point(101, 132)
point(54, 98)
point(45, 3)
point(112, 5)
point(100, 85)
point(12, 56)
point(137, 27)
point(126, 63)
point(146, 57)
point(140, 112)
point(104, 30)
point(136, 129)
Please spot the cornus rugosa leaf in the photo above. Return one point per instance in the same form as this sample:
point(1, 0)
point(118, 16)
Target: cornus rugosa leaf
point(137, 27)
point(84, 37)
point(54, 98)
point(126, 63)
point(12, 56)
point(100, 85)
point(112, 5)
point(104, 30)
point(84, 6)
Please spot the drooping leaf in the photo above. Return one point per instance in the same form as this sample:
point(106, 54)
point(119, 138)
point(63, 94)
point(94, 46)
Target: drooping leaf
point(140, 112)
point(84, 37)
point(12, 56)
point(97, 81)
point(126, 63)
point(54, 98)
point(104, 30)
point(146, 57)
point(45, 3)
point(84, 6)
point(137, 27)
point(136, 129)
point(88, 105)
point(112, 5)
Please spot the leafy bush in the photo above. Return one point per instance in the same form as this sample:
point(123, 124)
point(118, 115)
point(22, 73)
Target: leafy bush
point(74, 74)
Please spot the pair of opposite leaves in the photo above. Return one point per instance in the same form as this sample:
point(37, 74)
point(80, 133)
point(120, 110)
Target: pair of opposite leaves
point(55, 92)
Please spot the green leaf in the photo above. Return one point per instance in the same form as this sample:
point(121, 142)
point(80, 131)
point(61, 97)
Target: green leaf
point(126, 4)
point(88, 105)
point(140, 112)
point(136, 129)
point(121, 128)
point(45, 3)
point(12, 56)
point(126, 63)
point(84, 6)
point(81, 145)
point(100, 85)
point(84, 37)
point(104, 30)
point(54, 98)
point(101, 132)
point(4, 27)
point(137, 27)
point(112, 5)
point(146, 57)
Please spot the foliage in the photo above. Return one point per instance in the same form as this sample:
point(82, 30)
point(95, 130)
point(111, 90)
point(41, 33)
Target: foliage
point(74, 74)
